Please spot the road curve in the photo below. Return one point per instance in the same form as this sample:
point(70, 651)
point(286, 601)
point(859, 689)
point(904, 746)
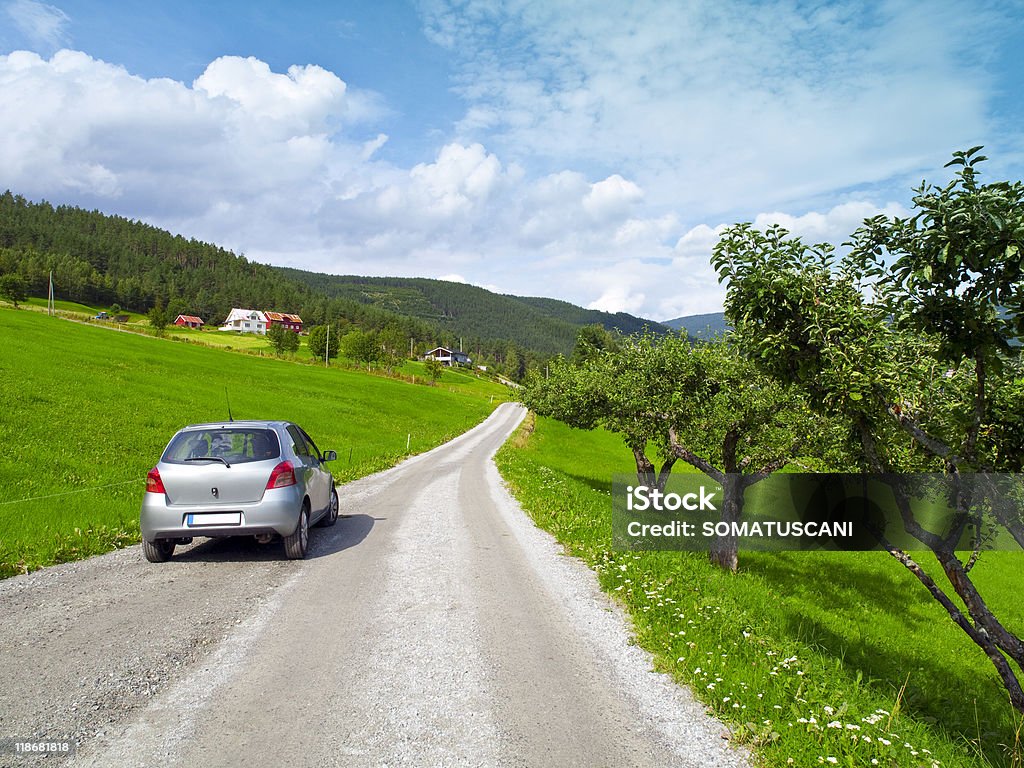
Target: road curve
point(432, 626)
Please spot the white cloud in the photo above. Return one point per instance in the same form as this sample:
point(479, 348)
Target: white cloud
point(307, 100)
point(43, 25)
point(612, 197)
point(833, 226)
point(698, 241)
point(243, 155)
point(286, 167)
point(459, 178)
point(370, 147)
point(719, 107)
point(618, 298)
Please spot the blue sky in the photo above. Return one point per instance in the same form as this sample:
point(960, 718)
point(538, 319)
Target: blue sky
point(581, 149)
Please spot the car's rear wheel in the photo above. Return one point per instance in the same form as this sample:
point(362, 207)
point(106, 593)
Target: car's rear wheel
point(296, 545)
point(332, 511)
point(158, 551)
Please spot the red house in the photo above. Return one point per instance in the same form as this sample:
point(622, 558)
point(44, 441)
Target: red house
point(189, 321)
point(291, 322)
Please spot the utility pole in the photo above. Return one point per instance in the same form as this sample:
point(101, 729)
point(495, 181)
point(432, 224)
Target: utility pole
point(51, 310)
point(327, 351)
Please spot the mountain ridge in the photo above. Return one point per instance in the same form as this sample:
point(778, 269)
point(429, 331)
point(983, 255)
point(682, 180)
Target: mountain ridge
point(463, 308)
point(700, 326)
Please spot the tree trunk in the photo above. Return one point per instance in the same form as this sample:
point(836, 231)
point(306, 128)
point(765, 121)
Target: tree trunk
point(984, 629)
point(666, 470)
point(979, 635)
point(725, 549)
point(984, 619)
point(646, 474)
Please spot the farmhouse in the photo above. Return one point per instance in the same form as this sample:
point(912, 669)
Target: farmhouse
point(189, 321)
point(291, 322)
point(448, 356)
point(246, 321)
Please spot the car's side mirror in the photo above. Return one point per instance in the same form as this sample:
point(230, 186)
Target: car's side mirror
point(330, 456)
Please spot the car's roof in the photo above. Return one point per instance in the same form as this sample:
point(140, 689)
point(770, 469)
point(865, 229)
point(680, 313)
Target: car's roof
point(238, 424)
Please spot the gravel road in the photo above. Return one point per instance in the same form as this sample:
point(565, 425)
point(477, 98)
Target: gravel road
point(432, 626)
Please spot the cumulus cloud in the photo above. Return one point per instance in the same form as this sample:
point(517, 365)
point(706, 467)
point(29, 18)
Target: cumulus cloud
point(611, 197)
point(619, 298)
point(306, 100)
point(833, 226)
point(460, 178)
point(242, 146)
point(699, 241)
point(43, 26)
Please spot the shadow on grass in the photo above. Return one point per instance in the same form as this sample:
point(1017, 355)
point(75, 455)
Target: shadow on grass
point(870, 598)
point(603, 486)
point(346, 533)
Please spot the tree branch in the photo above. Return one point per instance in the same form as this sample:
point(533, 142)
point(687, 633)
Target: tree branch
point(680, 451)
point(980, 636)
point(937, 447)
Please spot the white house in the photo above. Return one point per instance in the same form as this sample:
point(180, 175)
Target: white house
point(448, 356)
point(246, 321)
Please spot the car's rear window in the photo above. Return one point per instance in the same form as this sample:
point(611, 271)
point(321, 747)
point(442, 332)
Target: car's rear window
point(236, 445)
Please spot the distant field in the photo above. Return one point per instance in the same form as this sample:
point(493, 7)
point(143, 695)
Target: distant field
point(808, 656)
point(72, 307)
point(455, 379)
point(231, 339)
point(87, 411)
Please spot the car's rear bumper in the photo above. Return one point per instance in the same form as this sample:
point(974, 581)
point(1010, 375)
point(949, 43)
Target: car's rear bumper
point(277, 512)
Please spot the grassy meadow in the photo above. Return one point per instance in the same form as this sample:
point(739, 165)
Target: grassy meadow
point(464, 380)
point(811, 658)
point(87, 411)
point(454, 379)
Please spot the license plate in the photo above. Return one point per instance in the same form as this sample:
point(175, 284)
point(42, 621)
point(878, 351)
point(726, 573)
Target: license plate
point(213, 518)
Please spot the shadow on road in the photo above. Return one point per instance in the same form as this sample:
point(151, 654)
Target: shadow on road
point(347, 532)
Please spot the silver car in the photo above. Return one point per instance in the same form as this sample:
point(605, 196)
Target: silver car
point(239, 478)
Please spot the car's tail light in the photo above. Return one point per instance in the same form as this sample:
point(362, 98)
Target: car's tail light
point(153, 482)
point(282, 476)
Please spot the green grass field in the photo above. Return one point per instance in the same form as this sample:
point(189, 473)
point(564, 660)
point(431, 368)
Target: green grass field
point(810, 657)
point(454, 379)
point(87, 411)
point(463, 380)
point(75, 309)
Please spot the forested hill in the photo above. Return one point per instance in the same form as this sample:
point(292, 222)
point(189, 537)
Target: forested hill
point(700, 326)
point(98, 260)
point(103, 260)
point(546, 325)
